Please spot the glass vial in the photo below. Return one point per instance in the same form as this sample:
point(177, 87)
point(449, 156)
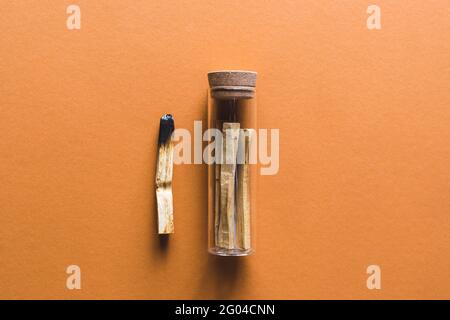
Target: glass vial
point(232, 171)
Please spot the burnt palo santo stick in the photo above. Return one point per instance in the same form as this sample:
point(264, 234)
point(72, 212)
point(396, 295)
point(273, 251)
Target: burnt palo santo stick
point(164, 174)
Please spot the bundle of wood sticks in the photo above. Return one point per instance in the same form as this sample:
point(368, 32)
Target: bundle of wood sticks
point(232, 187)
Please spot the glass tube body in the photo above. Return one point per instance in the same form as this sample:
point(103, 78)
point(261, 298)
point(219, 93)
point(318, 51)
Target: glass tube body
point(232, 176)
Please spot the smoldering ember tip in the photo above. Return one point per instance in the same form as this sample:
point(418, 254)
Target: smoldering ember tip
point(166, 128)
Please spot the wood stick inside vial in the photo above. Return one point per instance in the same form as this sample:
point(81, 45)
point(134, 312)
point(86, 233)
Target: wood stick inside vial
point(243, 189)
point(227, 221)
point(218, 155)
point(164, 174)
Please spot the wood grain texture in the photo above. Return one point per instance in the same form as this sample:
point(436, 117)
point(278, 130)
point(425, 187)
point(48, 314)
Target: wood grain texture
point(243, 227)
point(227, 224)
point(164, 175)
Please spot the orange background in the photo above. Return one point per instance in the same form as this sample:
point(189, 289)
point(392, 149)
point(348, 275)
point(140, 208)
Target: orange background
point(364, 119)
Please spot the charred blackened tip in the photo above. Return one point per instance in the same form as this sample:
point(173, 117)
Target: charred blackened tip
point(166, 128)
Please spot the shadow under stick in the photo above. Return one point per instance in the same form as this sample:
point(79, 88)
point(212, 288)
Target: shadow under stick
point(164, 174)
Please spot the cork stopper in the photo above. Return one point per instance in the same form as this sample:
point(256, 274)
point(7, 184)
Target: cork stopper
point(232, 84)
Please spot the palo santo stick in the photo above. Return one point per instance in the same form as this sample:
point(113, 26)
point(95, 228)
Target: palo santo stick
point(243, 187)
point(227, 224)
point(164, 173)
point(218, 157)
point(216, 201)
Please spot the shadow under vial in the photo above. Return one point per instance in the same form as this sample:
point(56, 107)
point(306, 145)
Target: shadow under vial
point(222, 277)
